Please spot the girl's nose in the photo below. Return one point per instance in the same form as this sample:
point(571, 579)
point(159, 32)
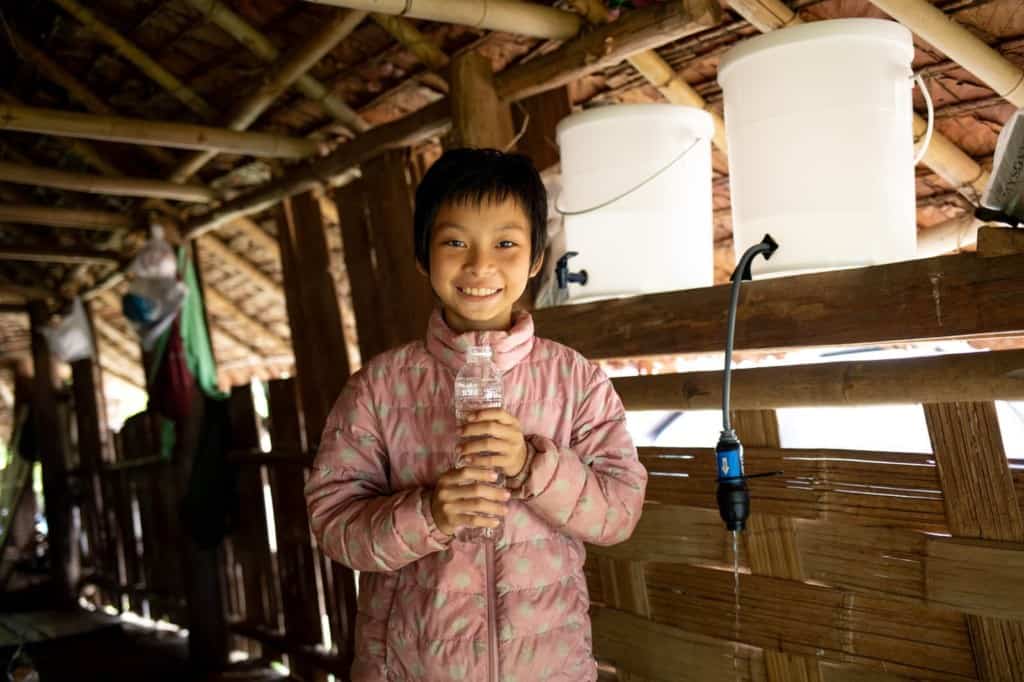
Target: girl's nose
point(479, 261)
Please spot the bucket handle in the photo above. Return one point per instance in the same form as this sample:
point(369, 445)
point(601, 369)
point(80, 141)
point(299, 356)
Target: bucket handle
point(632, 189)
point(919, 80)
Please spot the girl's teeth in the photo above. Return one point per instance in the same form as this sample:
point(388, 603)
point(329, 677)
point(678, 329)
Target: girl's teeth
point(479, 292)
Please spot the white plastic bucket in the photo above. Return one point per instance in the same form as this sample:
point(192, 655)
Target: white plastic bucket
point(656, 238)
point(818, 119)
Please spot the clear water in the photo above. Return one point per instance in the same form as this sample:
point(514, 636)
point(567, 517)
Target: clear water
point(478, 386)
point(736, 603)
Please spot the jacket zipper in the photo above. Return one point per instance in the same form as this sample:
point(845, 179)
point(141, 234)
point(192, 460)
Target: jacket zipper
point(492, 618)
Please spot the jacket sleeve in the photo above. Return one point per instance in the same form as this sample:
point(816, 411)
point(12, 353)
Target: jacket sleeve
point(593, 489)
point(356, 517)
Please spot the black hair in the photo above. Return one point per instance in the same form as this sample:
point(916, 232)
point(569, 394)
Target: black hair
point(475, 177)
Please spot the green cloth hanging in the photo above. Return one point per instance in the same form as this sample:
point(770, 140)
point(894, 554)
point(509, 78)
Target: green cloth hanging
point(194, 335)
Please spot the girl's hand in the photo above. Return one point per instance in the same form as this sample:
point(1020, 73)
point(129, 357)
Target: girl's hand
point(498, 434)
point(461, 495)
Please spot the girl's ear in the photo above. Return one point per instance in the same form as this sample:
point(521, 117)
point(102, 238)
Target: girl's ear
point(536, 267)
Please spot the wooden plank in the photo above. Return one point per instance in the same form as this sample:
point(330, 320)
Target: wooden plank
point(967, 376)
point(961, 295)
point(1000, 241)
point(479, 118)
point(981, 502)
point(51, 442)
point(30, 214)
point(809, 620)
point(57, 254)
point(979, 577)
point(390, 210)
point(321, 359)
point(295, 557)
point(375, 326)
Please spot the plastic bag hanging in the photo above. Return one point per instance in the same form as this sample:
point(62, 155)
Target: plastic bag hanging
point(70, 339)
point(155, 295)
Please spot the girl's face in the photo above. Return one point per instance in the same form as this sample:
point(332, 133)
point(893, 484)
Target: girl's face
point(480, 263)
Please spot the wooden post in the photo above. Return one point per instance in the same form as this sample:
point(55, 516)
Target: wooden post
point(52, 444)
point(314, 317)
point(389, 206)
point(295, 559)
point(771, 545)
point(376, 327)
point(537, 117)
point(93, 446)
point(981, 502)
point(479, 118)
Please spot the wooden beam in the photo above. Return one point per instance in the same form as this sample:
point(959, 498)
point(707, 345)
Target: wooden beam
point(163, 133)
point(82, 182)
point(237, 27)
point(538, 116)
point(85, 219)
point(283, 74)
point(140, 59)
point(606, 46)
point(78, 90)
point(981, 502)
point(56, 254)
point(646, 27)
point(943, 297)
point(968, 376)
point(1000, 241)
point(51, 443)
point(975, 576)
point(479, 118)
point(410, 37)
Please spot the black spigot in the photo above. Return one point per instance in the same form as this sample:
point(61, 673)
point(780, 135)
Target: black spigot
point(563, 275)
point(731, 494)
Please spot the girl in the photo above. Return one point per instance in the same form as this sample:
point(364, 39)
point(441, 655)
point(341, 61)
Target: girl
point(385, 499)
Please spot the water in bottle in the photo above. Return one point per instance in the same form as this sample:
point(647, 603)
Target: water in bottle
point(478, 386)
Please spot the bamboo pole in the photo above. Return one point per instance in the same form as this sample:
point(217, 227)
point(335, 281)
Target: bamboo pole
point(282, 76)
point(81, 182)
point(511, 16)
point(58, 75)
point(413, 40)
point(141, 131)
point(237, 27)
point(144, 62)
point(965, 48)
point(943, 156)
point(54, 254)
point(946, 237)
point(65, 217)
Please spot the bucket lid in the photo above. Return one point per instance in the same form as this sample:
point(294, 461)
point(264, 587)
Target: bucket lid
point(696, 120)
point(884, 31)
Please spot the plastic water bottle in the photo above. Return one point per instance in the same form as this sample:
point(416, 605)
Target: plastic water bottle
point(478, 387)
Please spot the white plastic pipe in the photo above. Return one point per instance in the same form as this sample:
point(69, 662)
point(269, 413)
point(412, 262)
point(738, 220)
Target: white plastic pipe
point(511, 16)
point(962, 46)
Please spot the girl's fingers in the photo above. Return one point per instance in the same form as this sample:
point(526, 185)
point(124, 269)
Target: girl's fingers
point(488, 461)
point(467, 474)
point(485, 444)
point(489, 428)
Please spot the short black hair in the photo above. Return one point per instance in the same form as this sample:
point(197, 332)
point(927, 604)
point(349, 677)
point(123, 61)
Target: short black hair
point(475, 177)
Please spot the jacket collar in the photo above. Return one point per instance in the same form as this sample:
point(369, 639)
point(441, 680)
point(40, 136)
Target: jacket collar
point(509, 347)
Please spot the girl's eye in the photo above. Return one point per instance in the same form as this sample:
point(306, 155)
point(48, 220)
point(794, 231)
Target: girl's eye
point(506, 244)
point(454, 242)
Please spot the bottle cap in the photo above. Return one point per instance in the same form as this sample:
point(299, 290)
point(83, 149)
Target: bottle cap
point(476, 352)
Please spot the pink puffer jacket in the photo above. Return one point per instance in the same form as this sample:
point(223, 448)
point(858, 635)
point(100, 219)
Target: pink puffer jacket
point(435, 609)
